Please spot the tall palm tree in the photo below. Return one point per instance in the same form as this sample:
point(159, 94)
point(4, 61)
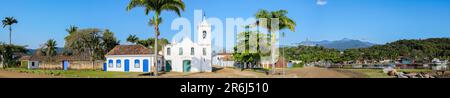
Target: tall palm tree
point(284, 22)
point(157, 6)
point(50, 47)
point(72, 29)
point(9, 21)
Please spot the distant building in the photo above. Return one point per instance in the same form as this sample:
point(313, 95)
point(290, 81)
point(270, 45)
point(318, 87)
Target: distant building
point(26, 61)
point(223, 60)
point(439, 64)
point(59, 61)
point(267, 63)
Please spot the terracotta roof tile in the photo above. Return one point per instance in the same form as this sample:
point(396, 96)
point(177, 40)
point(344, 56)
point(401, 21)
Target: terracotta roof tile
point(130, 50)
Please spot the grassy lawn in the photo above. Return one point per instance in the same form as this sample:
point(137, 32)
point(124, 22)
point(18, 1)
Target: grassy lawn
point(77, 73)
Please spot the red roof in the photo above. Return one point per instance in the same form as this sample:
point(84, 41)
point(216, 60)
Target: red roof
point(130, 50)
point(224, 54)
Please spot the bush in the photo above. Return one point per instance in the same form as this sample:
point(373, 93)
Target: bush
point(299, 65)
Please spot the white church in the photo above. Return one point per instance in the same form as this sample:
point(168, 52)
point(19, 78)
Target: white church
point(182, 56)
point(188, 56)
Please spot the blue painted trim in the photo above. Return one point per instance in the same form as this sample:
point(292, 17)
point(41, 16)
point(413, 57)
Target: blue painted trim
point(104, 67)
point(117, 62)
point(65, 65)
point(146, 64)
point(111, 63)
point(137, 61)
point(127, 65)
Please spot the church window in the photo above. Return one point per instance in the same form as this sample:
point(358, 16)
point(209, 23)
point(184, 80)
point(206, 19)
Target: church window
point(180, 51)
point(204, 51)
point(168, 51)
point(192, 51)
point(204, 34)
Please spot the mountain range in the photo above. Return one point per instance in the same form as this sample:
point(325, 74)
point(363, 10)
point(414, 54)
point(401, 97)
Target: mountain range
point(341, 45)
point(59, 50)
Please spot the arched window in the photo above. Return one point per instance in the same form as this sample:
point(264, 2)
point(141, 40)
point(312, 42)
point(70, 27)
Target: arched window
point(168, 51)
point(192, 51)
point(110, 63)
point(118, 63)
point(137, 64)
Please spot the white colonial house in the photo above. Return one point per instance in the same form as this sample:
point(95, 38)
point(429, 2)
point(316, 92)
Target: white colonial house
point(130, 58)
point(187, 56)
point(223, 60)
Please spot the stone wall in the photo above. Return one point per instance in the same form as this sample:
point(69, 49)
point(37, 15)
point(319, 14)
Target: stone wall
point(50, 65)
point(73, 65)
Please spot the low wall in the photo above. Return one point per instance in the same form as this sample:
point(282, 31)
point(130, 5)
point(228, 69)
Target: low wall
point(75, 65)
point(50, 65)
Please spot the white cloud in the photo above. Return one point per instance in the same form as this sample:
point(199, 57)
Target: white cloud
point(321, 2)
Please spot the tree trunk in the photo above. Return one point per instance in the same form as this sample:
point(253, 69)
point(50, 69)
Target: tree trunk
point(93, 64)
point(156, 45)
point(156, 54)
point(272, 41)
point(10, 31)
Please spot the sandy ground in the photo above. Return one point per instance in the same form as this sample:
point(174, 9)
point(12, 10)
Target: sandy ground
point(307, 72)
point(314, 72)
point(9, 74)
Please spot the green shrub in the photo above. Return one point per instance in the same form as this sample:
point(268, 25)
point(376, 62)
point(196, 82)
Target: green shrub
point(299, 65)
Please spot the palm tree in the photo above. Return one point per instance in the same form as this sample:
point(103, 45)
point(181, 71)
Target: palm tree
point(72, 29)
point(133, 39)
point(50, 47)
point(108, 41)
point(157, 6)
point(9, 21)
point(284, 22)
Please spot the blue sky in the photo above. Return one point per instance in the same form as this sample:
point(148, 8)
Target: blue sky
point(377, 21)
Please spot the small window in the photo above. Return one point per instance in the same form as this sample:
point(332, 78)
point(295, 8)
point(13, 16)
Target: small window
point(137, 64)
point(192, 51)
point(204, 51)
point(180, 51)
point(110, 63)
point(204, 34)
point(118, 64)
point(168, 51)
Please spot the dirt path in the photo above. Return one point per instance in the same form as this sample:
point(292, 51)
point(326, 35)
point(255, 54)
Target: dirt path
point(222, 73)
point(307, 72)
point(9, 74)
point(314, 72)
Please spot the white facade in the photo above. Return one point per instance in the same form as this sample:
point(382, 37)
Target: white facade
point(219, 61)
point(187, 56)
point(130, 63)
